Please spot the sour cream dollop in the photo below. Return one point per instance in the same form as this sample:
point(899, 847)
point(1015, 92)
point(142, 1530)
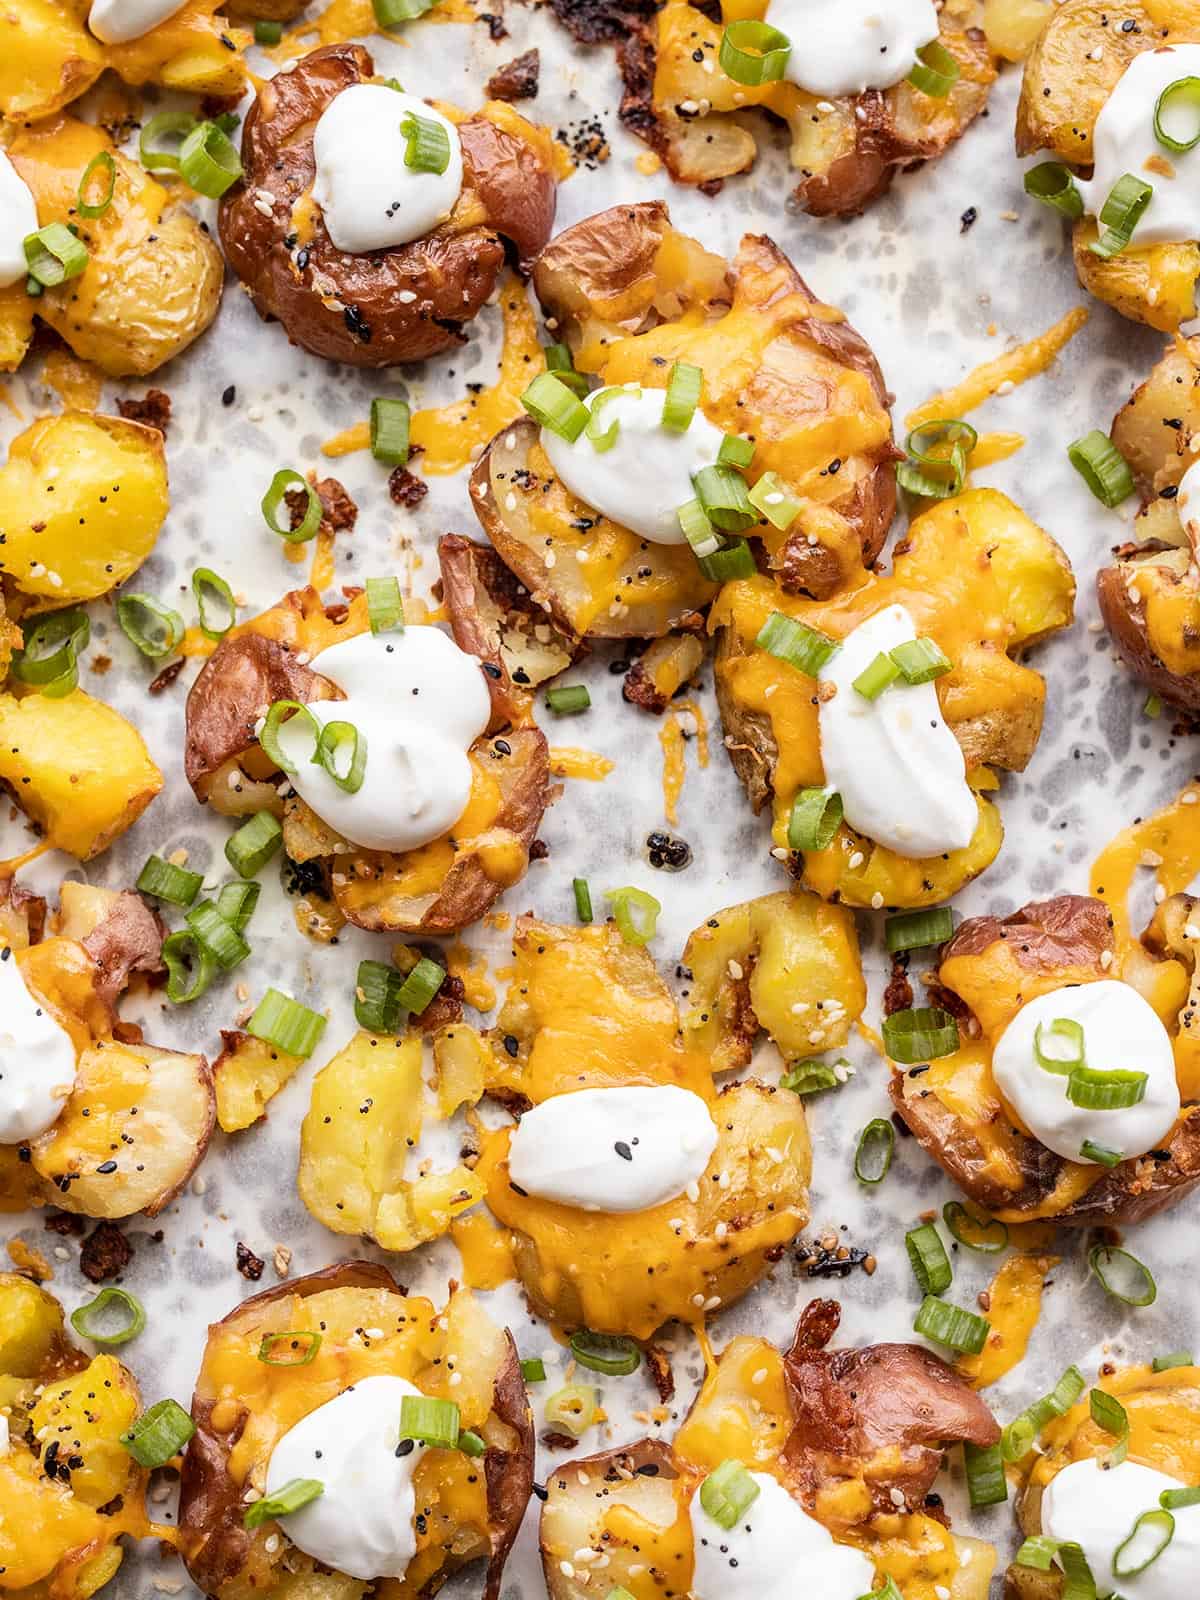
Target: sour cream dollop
point(1187, 501)
point(646, 475)
point(894, 761)
point(1124, 141)
point(18, 219)
point(849, 46)
point(369, 197)
point(420, 702)
point(775, 1550)
point(119, 21)
point(362, 1524)
point(1095, 1509)
point(613, 1149)
point(1121, 1032)
point(37, 1060)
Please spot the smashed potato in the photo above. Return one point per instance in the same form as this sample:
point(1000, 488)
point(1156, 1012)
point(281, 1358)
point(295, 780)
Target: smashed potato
point(630, 294)
point(977, 576)
point(471, 1508)
point(248, 1074)
point(153, 279)
point(77, 471)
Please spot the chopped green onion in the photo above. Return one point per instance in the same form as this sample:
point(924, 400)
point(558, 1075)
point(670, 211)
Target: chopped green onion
point(816, 816)
point(635, 913)
point(165, 881)
point(919, 930)
point(873, 1157)
point(1108, 1413)
point(85, 1318)
point(158, 1434)
point(1102, 467)
point(385, 607)
point(252, 846)
point(1062, 1065)
point(208, 161)
point(728, 1493)
point(735, 451)
point(1178, 1499)
point(377, 997)
point(1182, 95)
point(1153, 706)
point(1168, 1363)
point(682, 398)
point(1148, 1538)
point(873, 680)
point(285, 1023)
point(928, 1259)
point(471, 1444)
point(722, 493)
point(53, 254)
point(266, 32)
point(552, 405)
point(204, 579)
point(774, 502)
point(921, 660)
point(1018, 1438)
point(811, 1077)
point(612, 1355)
point(618, 1594)
point(391, 13)
point(888, 1591)
point(1038, 1552)
point(920, 1034)
point(427, 144)
point(50, 657)
point(988, 1236)
point(583, 899)
point(430, 1421)
point(218, 939)
point(420, 986)
point(1054, 185)
point(986, 1483)
point(698, 530)
point(152, 153)
point(561, 363)
point(793, 641)
point(936, 71)
point(933, 449)
point(268, 734)
point(1101, 1153)
point(1131, 1282)
point(190, 968)
point(572, 1407)
point(601, 438)
point(568, 698)
point(285, 481)
point(1078, 1581)
point(754, 52)
point(302, 1347)
point(294, 1496)
point(154, 628)
point(533, 1370)
point(951, 1326)
point(1106, 1091)
point(236, 903)
point(390, 423)
point(1120, 215)
point(346, 771)
point(102, 161)
point(735, 560)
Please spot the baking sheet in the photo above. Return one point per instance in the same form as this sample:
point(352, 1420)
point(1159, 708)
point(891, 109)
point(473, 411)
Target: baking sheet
point(924, 290)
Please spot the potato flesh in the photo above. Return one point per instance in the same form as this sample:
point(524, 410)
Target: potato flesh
point(31, 1326)
point(86, 1414)
point(246, 1077)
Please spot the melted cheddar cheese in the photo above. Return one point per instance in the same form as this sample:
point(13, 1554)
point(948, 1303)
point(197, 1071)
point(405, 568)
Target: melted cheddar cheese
point(1164, 1426)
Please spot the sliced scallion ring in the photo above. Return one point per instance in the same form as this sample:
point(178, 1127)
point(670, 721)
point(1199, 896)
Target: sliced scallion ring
point(205, 584)
point(49, 659)
point(218, 939)
point(1102, 467)
point(552, 405)
point(698, 530)
point(572, 1407)
point(427, 144)
point(873, 1156)
point(161, 139)
point(754, 53)
point(734, 560)
point(377, 997)
point(935, 449)
point(735, 452)
point(430, 1421)
point(471, 1444)
point(583, 899)
point(190, 968)
point(1148, 1538)
point(1179, 1499)
point(154, 628)
point(951, 1326)
point(1122, 1275)
point(158, 1434)
point(728, 1492)
point(816, 816)
point(1106, 1091)
point(1054, 185)
point(252, 846)
point(1020, 1435)
point(602, 438)
point(788, 639)
point(275, 506)
point(936, 71)
point(296, 1349)
point(385, 605)
point(1073, 1054)
point(928, 1259)
point(294, 1496)
point(421, 984)
point(102, 162)
point(391, 13)
point(723, 494)
point(920, 660)
point(342, 752)
point(873, 680)
point(1179, 98)
point(1168, 1363)
point(919, 930)
point(1108, 1413)
point(236, 903)
point(1089, 1150)
point(888, 1591)
point(561, 363)
point(391, 422)
point(1120, 215)
point(90, 1321)
point(268, 734)
point(567, 699)
point(1078, 1582)
point(635, 913)
point(208, 161)
point(988, 1235)
point(811, 1077)
point(285, 1023)
point(53, 254)
point(920, 1034)
point(610, 1354)
point(682, 397)
point(166, 881)
point(986, 1482)
point(1038, 1553)
point(769, 497)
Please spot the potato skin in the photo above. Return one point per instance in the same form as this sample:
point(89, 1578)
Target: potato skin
point(445, 277)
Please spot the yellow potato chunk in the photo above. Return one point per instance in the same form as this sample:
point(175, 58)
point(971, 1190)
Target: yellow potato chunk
point(31, 1326)
point(82, 499)
point(76, 767)
point(85, 1415)
point(247, 1074)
